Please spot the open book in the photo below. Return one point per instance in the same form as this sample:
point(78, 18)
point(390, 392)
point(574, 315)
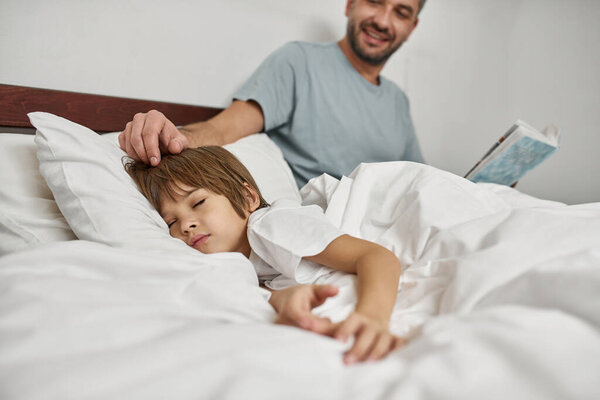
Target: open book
point(520, 150)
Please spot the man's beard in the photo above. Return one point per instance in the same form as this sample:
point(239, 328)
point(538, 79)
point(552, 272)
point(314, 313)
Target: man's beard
point(372, 59)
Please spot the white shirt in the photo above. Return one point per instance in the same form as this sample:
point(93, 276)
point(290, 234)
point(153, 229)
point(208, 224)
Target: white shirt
point(281, 235)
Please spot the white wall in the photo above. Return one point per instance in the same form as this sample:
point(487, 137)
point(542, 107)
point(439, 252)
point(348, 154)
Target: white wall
point(475, 66)
point(187, 51)
point(471, 68)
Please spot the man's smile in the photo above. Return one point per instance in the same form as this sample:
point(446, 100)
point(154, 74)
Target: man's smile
point(374, 36)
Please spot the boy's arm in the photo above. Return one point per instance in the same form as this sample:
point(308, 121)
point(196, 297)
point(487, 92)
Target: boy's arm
point(378, 273)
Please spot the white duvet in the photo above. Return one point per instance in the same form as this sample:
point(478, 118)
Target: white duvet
point(500, 297)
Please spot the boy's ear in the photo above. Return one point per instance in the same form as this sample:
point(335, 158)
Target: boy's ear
point(252, 198)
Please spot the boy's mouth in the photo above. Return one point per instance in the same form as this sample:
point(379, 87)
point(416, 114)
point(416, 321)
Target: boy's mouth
point(198, 240)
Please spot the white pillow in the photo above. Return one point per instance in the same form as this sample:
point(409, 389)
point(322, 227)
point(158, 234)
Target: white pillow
point(90, 184)
point(28, 213)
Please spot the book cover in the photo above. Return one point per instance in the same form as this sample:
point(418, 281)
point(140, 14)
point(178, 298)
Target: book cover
point(521, 149)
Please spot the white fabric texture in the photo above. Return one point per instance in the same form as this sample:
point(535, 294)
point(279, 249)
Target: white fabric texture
point(28, 213)
point(86, 170)
point(499, 296)
point(281, 235)
point(94, 193)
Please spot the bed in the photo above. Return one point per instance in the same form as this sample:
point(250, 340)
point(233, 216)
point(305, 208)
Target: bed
point(499, 298)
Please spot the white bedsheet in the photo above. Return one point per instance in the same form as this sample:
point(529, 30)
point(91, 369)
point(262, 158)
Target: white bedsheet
point(500, 295)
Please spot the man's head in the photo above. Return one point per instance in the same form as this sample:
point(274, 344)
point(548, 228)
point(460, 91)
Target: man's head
point(377, 28)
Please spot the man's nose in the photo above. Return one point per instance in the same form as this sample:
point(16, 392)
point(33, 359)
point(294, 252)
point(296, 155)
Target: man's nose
point(382, 18)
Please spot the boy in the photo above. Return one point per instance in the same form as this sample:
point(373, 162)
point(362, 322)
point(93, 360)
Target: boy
point(209, 200)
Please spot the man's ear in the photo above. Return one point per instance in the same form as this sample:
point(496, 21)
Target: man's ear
point(413, 27)
point(252, 198)
point(348, 6)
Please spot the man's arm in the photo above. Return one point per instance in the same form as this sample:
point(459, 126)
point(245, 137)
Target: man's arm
point(240, 119)
point(151, 134)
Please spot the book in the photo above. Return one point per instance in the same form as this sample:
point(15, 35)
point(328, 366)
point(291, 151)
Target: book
point(517, 152)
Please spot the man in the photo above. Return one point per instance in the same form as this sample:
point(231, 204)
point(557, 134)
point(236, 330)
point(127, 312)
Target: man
point(325, 106)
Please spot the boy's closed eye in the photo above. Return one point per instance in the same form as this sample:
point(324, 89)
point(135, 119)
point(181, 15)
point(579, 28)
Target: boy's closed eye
point(194, 205)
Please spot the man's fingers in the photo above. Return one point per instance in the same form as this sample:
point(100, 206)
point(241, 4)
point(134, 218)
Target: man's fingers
point(128, 147)
point(123, 144)
point(154, 124)
point(136, 141)
point(171, 140)
point(121, 138)
point(150, 133)
point(177, 144)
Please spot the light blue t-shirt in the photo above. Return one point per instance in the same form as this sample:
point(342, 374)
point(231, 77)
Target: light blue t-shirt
point(325, 116)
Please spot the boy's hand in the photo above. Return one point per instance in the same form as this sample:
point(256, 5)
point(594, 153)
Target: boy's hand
point(372, 338)
point(294, 306)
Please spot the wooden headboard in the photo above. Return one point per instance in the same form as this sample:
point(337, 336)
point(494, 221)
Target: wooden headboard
point(99, 113)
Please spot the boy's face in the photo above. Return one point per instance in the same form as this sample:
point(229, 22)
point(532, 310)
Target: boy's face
point(206, 221)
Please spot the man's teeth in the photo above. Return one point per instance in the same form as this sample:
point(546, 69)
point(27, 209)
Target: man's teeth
point(375, 36)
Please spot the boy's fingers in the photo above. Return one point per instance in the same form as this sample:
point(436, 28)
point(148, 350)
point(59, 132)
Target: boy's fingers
point(398, 342)
point(309, 321)
point(322, 293)
point(347, 329)
point(320, 325)
point(362, 345)
point(382, 347)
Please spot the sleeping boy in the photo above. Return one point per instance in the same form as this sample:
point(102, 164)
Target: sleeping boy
point(209, 200)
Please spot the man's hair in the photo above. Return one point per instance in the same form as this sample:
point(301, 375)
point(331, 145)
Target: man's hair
point(421, 5)
point(210, 167)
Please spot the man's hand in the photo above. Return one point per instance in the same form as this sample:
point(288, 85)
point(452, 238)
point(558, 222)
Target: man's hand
point(372, 338)
point(150, 134)
point(294, 306)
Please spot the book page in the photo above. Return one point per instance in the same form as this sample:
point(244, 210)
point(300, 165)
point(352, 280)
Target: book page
point(515, 162)
point(519, 130)
point(509, 138)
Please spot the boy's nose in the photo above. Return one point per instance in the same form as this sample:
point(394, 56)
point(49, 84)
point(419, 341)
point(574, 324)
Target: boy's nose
point(188, 226)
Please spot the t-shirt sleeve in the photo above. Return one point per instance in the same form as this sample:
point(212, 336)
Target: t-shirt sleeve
point(412, 150)
point(285, 232)
point(273, 85)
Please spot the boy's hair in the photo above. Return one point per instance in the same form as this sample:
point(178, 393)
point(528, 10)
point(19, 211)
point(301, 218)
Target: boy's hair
point(210, 167)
